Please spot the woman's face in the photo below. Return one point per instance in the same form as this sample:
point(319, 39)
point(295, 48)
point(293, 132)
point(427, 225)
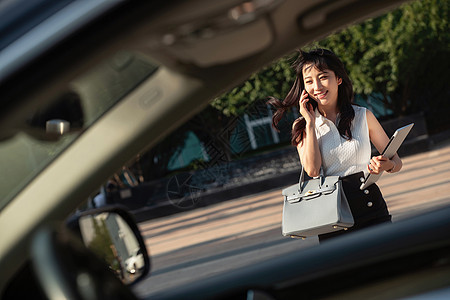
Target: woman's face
point(322, 86)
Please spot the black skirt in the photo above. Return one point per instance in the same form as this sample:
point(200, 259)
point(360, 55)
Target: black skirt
point(368, 206)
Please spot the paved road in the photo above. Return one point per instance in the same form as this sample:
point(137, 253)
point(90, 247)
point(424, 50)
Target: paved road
point(235, 233)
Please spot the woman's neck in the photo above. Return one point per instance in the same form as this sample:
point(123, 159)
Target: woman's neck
point(329, 112)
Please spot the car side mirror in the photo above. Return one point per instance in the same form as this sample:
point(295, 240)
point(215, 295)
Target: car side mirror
point(111, 233)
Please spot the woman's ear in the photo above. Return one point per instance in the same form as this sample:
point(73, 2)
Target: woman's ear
point(339, 80)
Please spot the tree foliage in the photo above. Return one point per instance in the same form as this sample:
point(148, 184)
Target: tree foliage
point(102, 244)
point(403, 55)
point(274, 80)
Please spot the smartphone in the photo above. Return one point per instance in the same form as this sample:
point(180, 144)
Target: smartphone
point(311, 104)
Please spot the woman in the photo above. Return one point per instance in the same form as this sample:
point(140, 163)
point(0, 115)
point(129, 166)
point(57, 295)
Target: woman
point(335, 136)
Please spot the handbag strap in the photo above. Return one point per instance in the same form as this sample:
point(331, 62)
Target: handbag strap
point(302, 177)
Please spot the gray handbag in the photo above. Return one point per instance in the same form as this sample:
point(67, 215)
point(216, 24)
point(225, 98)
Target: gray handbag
point(315, 206)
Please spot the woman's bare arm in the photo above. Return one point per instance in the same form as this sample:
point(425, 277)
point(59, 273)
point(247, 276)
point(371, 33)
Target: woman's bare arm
point(308, 150)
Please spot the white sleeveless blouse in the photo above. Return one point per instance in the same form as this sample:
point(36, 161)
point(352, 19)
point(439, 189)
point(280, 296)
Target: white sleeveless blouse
point(341, 157)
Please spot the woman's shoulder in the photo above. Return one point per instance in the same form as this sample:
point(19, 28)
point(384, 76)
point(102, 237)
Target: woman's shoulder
point(358, 108)
point(361, 111)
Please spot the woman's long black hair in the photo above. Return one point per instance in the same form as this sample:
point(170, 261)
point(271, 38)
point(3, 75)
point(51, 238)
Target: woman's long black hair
point(321, 59)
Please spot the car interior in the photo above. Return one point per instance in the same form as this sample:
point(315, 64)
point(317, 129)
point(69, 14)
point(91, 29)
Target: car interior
point(89, 85)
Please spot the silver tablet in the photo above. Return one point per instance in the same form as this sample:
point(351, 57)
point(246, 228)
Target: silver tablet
point(391, 148)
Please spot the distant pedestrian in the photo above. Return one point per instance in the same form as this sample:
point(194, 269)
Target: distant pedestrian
point(335, 135)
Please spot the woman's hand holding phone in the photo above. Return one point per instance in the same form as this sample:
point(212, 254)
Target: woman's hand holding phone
point(306, 109)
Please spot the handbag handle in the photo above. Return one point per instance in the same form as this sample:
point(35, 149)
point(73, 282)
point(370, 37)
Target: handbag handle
point(302, 178)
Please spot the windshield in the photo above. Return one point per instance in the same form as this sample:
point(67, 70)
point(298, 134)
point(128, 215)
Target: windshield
point(86, 99)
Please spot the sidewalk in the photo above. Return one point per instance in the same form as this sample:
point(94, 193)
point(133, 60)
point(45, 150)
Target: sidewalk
point(422, 184)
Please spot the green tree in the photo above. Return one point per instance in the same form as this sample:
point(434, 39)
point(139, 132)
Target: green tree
point(102, 244)
point(274, 80)
point(403, 55)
